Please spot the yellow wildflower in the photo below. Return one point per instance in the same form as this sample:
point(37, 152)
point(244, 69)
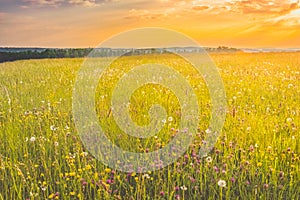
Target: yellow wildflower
point(72, 174)
point(88, 167)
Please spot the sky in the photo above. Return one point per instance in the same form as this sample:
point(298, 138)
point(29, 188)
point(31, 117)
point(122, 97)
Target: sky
point(87, 23)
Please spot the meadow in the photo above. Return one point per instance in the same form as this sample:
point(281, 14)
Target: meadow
point(255, 157)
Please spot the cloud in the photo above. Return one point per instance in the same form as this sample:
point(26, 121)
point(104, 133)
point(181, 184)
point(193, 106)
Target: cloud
point(146, 14)
point(168, 9)
point(291, 19)
point(44, 2)
point(200, 7)
point(86, 3)
point(256, 7)
point(263, 6)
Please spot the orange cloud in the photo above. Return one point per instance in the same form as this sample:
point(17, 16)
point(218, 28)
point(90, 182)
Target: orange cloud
point(263, 6)
point(200, 7)
point(145, 14)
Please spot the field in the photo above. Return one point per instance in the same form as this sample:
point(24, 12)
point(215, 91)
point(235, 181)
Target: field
point(256, 156)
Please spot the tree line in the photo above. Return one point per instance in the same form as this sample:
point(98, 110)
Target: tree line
point(11, 54)
point(48, 53)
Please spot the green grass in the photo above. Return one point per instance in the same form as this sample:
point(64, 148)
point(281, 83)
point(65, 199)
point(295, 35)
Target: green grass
point(257, 154)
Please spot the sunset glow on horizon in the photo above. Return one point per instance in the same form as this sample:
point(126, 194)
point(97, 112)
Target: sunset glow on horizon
point(86, 23)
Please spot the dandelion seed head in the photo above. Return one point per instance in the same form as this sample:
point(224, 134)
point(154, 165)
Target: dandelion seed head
point(222, 183)
point(32, 139)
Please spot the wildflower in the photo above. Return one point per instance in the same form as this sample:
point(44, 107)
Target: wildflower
point(88, 167)
point(72, 174)
point(146, 176)
point(53, 128)
point(107, 170)
point(289, 120)
point(56, 144)
point(162, 193)
point(72, 193)
point(251, 148)
point(293, 137)
point(216, 169)
point(222, 183)
point(208, 159)
point(208, 131)
point(259, 164)
point(133, 174)
point(232, 179)
point(266, 186)
point(83, 154)
point(51, 196)
point(164, 121)
point(183, 188)
point(32, 139)
point(170, 119)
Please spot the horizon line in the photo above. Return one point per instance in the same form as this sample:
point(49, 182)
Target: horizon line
point(43, 47)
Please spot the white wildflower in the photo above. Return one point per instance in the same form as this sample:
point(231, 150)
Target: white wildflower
point(208, 159)
point(170, 119)
point(32, 139)
point(222, 183)
point(183, 188)
point(146, 176)
point(208, 131)
point(53, 128)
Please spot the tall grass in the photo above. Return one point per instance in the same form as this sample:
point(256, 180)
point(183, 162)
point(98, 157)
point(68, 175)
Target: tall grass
point(256, 156)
